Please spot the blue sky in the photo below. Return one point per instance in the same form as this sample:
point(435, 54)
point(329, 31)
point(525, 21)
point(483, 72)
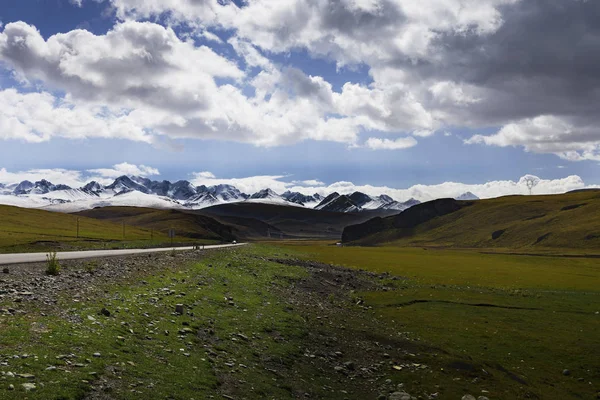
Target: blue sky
point(387, 93)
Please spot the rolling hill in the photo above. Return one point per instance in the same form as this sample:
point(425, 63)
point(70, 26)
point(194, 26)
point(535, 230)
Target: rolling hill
point(185, 224)
point(290, 221)
point(26, 227)
point(570, 220)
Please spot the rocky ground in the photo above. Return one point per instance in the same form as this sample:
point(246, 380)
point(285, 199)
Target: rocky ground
point(344, 350)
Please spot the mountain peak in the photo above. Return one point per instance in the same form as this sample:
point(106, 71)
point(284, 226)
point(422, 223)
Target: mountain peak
point(467, 196)
point(264, 194)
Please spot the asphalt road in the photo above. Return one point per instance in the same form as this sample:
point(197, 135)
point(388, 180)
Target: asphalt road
point(21, 258)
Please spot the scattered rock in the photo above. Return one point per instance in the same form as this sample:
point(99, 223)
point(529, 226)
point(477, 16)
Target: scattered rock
point(97, 355)
point(566, 372)
point(104, 312)
point(482, 398)
point(179, 309)
point(401, 395)
point(5, 270)
point(468, 397)
point(11, 387)
point(28, 387)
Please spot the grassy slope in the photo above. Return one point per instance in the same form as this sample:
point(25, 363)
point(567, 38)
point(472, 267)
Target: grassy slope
point(20, 227)
point(533, 316)
point(530, 223)
point(185, 224)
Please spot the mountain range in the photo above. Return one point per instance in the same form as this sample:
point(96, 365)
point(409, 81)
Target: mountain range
point(143, 192)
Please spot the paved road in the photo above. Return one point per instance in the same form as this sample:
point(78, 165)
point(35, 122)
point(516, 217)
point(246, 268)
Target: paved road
point(73, 255)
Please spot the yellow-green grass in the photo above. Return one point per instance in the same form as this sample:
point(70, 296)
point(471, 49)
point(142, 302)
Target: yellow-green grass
point(529, 315)
point(466, 267)
point(530, 223)
point(185, 224)
point(24, 229)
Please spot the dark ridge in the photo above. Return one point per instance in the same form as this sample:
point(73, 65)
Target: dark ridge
point(592, 236)
point(572, 207)
point(535, 217)
point(543, 237)
point(404, 222)
point(498, 233)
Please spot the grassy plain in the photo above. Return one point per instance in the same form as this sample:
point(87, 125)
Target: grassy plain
point(520, 319)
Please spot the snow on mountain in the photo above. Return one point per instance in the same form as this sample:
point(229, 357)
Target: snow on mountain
point(358, 201)
point(268, 196)
point(181, 190)
point(467, 196)
point(302, 199)
point(125, 183)
point(201, 200)
point(23, 188)
point(22, 201)
point(93, 187)
point(226, 193)
point(143, 192)
point(68, 195)
point(123, 199)
point(338, 203)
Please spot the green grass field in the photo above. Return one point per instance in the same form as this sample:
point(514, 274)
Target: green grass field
point(532, 316)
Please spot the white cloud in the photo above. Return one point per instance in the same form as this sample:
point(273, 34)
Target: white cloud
point(387, 144)
point(37, 117)
point(140, 80)
point(309, 182)
point(205, 175)
point(125, 169)
point(547, 134)
point(434, 64)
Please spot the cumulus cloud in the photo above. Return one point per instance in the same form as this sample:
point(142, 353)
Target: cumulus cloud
point(37, 117)
point(465, 63)
point(309, 182)
point(434, 64)
point(205, 175)
point(125, 169)
point(547, 134)
point(387, 144)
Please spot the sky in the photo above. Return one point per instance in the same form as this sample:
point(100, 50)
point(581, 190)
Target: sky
point(426, 98)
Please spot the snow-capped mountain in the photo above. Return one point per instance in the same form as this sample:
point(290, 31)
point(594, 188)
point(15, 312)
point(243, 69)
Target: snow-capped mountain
point(226, 193)
point(23, 188)
point(302, 199)
point(467, 196)
point(338, 203)
point(270, 197)
point(143, 192)
point(358, 201)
